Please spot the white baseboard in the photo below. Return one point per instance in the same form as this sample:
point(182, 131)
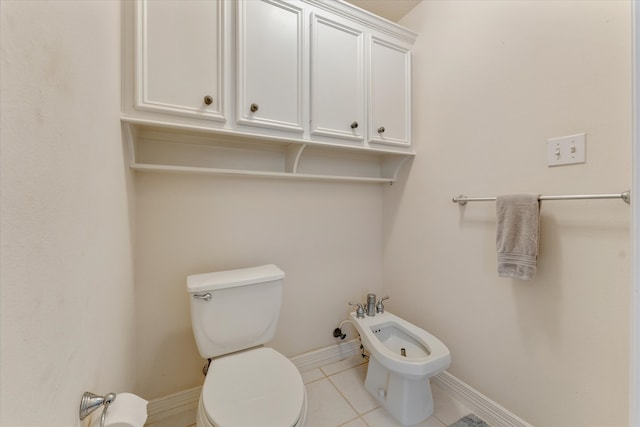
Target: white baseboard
point(179, 409)
point(490, 411)
point(324, 356)
point(174, 410)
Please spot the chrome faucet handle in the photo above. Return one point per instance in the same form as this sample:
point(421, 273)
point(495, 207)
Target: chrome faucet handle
point(359, 311)
point(380, 306)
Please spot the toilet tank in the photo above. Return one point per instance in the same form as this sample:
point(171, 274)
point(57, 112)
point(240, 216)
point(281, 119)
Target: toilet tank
point(235, 309)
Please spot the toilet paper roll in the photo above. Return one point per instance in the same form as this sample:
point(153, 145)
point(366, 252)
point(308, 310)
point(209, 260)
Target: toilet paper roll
point(127, 410)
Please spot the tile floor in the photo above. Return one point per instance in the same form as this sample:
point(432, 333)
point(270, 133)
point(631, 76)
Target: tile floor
point(337, 398)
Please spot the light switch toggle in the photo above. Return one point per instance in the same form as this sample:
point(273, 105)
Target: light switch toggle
point(566, 150)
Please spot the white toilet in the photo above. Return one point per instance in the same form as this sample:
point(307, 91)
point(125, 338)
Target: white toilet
point(402, 359)
point(233, 313)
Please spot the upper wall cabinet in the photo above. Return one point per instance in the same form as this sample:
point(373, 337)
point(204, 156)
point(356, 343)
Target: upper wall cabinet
point(179, 58)
point(337, 79)
point(389, 95)
point(320, 83)
point(270, 64)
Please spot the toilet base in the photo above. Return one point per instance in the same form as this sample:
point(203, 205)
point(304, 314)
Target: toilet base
point(407, 399)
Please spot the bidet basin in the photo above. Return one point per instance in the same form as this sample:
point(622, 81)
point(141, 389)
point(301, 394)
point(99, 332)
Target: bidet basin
point(400, 342)
point(386, 334)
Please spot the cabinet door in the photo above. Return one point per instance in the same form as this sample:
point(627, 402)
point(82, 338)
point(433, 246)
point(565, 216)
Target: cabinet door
point(179, 57)
point(337, 80)
point(270, 64)
point(390, 93)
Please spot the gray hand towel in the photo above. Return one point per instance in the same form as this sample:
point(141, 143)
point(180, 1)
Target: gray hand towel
point(517, 234)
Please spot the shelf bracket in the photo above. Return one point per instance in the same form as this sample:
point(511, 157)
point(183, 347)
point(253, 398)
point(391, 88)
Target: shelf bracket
point(391, 167)
point(129, 138)
point(292, 159)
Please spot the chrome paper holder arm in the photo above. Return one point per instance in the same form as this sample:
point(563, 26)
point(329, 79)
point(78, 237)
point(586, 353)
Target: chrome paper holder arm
point(90, 402)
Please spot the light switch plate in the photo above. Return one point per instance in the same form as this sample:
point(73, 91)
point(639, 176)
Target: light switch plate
point(567, 150)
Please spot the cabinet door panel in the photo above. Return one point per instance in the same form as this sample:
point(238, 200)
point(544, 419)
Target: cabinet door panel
point(337, 80)
point(179, 57)
point(390, 98)
point(270, 66)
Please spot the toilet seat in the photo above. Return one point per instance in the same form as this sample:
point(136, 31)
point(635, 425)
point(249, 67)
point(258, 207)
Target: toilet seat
point(258, 387)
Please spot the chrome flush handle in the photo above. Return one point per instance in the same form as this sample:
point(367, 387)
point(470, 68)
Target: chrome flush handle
point(206, 297)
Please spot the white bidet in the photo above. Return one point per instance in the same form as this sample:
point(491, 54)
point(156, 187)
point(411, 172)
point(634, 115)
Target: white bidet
point(402, 359)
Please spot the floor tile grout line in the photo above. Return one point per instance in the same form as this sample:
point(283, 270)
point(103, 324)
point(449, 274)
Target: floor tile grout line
point(345, 369)
point(350, 404)
point(328, 377)
point(343, 396)
point(352, 420)
point(317, 379)
point(436, 417)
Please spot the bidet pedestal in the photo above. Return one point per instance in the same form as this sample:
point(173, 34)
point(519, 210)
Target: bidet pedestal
point(407, 398)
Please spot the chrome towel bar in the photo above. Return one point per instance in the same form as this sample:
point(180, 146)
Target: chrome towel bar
point(625, 196)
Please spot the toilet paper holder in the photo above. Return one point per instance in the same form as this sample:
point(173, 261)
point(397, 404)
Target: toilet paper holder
point(90, 402)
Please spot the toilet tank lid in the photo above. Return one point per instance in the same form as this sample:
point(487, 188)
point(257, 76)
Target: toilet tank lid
point(231, 278)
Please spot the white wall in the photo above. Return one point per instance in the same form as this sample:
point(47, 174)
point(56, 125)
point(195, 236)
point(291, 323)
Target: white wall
point(493, 81)
point(634, 389)
point(327, 238)
point(67, 277)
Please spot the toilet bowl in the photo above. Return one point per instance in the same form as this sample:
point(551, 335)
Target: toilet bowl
point(402, 359)
point(233, 314)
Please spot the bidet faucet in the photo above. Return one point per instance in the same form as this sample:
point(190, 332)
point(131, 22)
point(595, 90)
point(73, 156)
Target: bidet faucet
point(380, 306)
point(371, 304)
point(359, 311)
